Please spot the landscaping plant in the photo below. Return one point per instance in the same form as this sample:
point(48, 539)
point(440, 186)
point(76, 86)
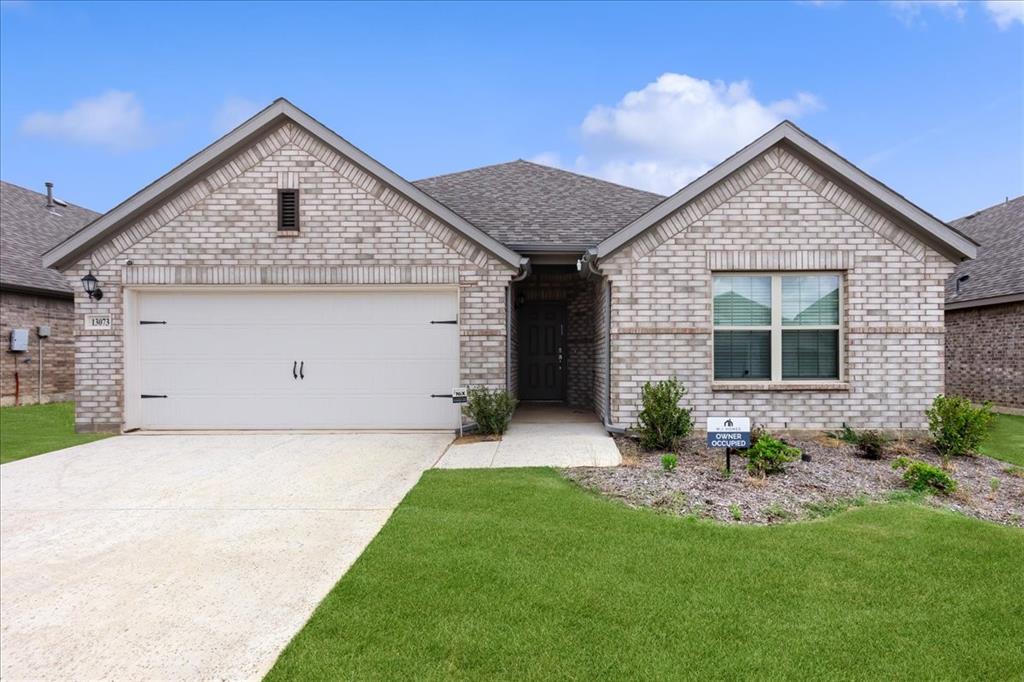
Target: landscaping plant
point(491, 410)
point(957, 426)
point(769, 455)
point(923, 477)
point(870, 444)
point(662, 421)
point(669, 462)
point(847, 435)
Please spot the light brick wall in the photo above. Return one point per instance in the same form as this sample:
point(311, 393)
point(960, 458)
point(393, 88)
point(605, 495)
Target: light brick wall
point(778, 213)
point(985, 354)
point(29, 311)
point(355, 230)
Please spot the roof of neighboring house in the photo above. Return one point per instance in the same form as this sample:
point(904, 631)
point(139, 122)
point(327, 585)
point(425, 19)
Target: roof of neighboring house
point(525, 204)
point(998, 270)
point(27, 229)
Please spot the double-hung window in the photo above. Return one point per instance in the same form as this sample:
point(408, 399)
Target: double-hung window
point(777, 327)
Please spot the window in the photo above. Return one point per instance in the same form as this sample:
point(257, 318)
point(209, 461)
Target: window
point(288, 209)
point(775, 327)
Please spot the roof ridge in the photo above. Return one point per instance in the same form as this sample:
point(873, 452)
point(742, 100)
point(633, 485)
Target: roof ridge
point(1001, 204)
point(28, 189)
point(467, 170)
point(590, 177)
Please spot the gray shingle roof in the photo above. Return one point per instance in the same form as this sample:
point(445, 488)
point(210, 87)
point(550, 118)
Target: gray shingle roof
point(999, 268)
point(522, 203)
point(27, 229)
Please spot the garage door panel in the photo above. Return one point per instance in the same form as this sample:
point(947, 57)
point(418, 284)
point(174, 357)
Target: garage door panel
point(370, 359)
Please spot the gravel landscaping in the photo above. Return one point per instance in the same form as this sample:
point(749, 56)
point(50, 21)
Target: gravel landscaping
point(835, 477)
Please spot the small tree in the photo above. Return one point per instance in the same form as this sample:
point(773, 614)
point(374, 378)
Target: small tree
point(491, 410)
point(957, 426)
point(662, 421)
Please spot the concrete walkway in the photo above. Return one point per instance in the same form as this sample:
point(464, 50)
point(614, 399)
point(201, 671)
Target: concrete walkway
point(539, 436)
point(186, 557)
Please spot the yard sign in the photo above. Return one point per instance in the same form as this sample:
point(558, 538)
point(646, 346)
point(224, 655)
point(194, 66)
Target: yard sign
point(728, 432)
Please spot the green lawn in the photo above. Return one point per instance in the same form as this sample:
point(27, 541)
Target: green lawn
point(1005, 439)
point(34, 429)
point(517, 574)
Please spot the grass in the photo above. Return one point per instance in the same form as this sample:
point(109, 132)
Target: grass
point(34, 429)
point(517, 574)
point(1005, 439)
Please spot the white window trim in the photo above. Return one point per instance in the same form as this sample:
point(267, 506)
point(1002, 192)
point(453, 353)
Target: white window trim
point(776, 328)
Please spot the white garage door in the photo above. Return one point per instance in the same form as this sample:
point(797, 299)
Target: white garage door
point(317, 360)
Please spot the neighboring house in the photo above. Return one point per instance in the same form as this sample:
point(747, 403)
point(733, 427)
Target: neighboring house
point(282, 278)
point(35, 299)
point(985, 309)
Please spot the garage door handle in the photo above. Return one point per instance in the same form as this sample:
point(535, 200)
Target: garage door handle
point(294, 373)
point(301, 365)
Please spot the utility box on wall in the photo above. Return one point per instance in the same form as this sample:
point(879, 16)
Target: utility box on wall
point(19, 340)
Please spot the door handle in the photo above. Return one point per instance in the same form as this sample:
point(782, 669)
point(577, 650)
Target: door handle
point(301, 365)
point(294, 374)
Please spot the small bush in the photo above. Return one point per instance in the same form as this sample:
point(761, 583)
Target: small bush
point(923, 477)
point(735, 512)
point(871, 444)
point(847, 435)
point(769, 455)
point(957, 426)
point(662, 422)
point(491, 410)
point(669, 462)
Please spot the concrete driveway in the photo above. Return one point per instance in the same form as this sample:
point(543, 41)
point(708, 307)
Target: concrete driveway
point(186, 556)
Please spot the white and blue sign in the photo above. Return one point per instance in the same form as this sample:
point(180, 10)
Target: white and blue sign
point(729, 432)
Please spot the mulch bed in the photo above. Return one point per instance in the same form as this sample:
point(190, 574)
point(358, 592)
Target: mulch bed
point(834, 478)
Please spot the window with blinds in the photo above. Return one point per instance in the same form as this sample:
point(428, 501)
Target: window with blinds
point(288, 209)
point(777, 327)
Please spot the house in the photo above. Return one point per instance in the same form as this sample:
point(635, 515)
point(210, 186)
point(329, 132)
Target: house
point(37, 306)
point(985, 310)
point(282, 278)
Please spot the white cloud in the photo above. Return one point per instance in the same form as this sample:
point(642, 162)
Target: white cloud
point(910, 11)
point(663, 136)
point(232, 112)
point(1005, 12)
point(114, 120)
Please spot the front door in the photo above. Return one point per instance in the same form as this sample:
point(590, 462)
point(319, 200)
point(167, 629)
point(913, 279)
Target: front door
point(542, 351)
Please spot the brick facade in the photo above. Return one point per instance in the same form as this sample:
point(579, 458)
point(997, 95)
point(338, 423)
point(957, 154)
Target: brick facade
point(30, 311)
point(779, 213)
point(985, 354)
point(355, 230)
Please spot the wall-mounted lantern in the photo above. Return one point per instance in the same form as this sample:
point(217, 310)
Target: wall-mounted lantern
point(90, 283)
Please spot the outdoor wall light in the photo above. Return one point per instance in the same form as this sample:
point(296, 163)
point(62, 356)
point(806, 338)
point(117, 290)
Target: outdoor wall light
point(89, 282)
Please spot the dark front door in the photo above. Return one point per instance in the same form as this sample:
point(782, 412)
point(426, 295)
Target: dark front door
point(541, 351)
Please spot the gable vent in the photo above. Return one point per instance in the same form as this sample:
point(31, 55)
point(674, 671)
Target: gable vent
point(288, 209)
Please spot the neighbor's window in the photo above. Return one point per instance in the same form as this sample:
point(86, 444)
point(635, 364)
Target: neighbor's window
point(288, 209)
point(776, 327)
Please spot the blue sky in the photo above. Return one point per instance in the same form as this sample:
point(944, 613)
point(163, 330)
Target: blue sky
point(927, 97)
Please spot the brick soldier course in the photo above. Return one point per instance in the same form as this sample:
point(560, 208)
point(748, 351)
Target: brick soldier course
point(633, 270)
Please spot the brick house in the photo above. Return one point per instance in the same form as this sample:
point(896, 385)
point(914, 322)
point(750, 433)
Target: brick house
point(282, 278)
point(33, 297)
point(985, 310)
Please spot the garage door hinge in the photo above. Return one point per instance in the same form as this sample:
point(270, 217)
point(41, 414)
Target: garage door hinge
point(152, 395)
point(440, 395)
point(444, 322)
point(152, 321)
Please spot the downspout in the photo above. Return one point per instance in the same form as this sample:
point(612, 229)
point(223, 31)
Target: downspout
point(587, 266)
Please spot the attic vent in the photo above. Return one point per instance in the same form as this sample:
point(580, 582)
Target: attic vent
point(288, 209)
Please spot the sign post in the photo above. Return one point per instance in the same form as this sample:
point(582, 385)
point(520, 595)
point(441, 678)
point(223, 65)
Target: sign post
point(731, 433)
point(460, 397)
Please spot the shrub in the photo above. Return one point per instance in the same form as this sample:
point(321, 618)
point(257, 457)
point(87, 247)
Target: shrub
point(870, 444)
point(735, 512)
point(769, 455)
point(956, 425)
point(491, 410)
point(847, 435)
point(662, 422)
point(923, 477)
point(669, 462)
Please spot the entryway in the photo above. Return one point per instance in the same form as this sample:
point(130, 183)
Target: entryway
point(542, 351)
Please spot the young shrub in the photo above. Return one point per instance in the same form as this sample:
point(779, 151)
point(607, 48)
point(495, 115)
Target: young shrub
point(669, 462)
point(491, 410)
point(662, 422)
point(735, 512)
point(769, 455)
point(847, 435)
point(922, 477)
point(871, 444)
point(956, 425)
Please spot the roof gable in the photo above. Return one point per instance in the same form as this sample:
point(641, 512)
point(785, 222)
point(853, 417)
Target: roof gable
point(107, 225)
point(997, 274)
point(926, 227)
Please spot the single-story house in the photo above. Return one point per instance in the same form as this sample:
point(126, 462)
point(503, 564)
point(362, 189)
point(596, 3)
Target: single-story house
point(282, 278)
point(985, 310)
point(37, 308)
